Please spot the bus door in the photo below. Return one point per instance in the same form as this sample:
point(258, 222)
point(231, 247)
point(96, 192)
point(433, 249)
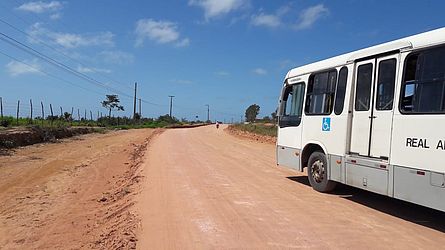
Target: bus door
point(373, 105)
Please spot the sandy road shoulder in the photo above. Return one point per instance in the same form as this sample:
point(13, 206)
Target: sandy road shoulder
point(76, 194)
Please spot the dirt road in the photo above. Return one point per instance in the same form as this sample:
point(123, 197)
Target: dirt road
point(195, 188)
point(74, 194)
point(207, 189)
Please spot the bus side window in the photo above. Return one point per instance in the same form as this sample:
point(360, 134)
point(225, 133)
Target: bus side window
point(320, 93)
point(385, 84)
point(291, 105)
point(341, 90)
point(363, 88)
point(423, 89)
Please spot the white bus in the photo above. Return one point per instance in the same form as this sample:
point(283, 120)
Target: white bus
point(372, 119)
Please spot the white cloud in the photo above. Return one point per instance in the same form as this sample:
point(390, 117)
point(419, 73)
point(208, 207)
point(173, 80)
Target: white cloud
point(55, 16)
point(310, 15)
point(181, 81)
point(159, 31)
point(183, 43)
point(286, 64)
point(15, 68)
point(41, 7)
point(83, 69)
point(70, 40)
point(262, 19)
point(119, 57)
point(215, 8)
point(222, 73)
point(259, 71)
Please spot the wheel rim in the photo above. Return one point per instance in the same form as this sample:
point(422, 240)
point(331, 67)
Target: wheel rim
point(317, 170)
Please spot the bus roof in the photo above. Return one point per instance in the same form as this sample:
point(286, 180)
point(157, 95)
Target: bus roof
point(429, 38)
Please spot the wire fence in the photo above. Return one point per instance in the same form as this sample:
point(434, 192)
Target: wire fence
point(38, 109)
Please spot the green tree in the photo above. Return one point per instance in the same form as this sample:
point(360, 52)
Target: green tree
point(67, 116)
point(274, 115)
point(112, 103)
point(251, 112)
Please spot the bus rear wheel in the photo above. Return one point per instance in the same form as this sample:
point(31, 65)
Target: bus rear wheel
point(318, 173)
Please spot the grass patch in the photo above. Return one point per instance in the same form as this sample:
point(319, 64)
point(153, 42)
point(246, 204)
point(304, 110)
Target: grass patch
point(257, 128)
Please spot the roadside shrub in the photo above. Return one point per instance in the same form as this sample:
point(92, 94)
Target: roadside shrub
point(6, 122)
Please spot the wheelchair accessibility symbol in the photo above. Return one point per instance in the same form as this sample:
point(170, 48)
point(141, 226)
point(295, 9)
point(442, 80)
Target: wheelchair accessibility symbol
point(326, 125)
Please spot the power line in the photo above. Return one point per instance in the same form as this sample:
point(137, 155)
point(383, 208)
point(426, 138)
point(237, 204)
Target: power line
point(14, 42)
point(48, 74)
point(60, 52)
point(63, 66)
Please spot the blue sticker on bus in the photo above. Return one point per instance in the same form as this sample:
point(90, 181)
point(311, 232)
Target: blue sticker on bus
point(326, 125)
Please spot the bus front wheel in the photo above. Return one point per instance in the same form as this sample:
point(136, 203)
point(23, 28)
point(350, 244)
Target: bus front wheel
point(318, 173)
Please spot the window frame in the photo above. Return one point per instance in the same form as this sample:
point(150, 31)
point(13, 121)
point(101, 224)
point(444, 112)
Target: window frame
point(403, 83)
point(369, 106)
point(311, 78)
point(377, 85)
point(336, 90)
point(280, 115)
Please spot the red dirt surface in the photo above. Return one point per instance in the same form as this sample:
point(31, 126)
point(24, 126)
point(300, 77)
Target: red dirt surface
point(74, 194)
point(206, 189)
point(251, 136)
point(196, 188)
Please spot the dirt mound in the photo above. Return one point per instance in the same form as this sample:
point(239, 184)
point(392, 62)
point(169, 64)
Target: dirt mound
point(118, 222)
point(250, 136)
point(27, 136)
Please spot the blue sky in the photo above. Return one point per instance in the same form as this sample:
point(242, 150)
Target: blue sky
point(225, 53)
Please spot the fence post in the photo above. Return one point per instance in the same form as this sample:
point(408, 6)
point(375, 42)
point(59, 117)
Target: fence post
point(71, 117)
point(1, 107)
point(30, 103)
point(18, 110)
point(52, 114)
point(43, 113)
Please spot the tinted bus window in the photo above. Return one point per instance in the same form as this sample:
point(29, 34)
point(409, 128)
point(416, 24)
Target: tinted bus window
point(292, 105)
point(341, 90)
point(423, 89)
point(385, 84)
point(363, 91)
point(320, 94)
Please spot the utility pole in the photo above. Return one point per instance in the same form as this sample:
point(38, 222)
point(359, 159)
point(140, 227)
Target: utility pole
point(171, 104)
point(134, 104)
point(208, 112)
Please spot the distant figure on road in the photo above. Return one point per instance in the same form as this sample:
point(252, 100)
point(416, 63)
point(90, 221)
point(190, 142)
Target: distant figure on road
point(217, 125)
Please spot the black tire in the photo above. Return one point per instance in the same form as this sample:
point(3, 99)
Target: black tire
point(317, 170)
